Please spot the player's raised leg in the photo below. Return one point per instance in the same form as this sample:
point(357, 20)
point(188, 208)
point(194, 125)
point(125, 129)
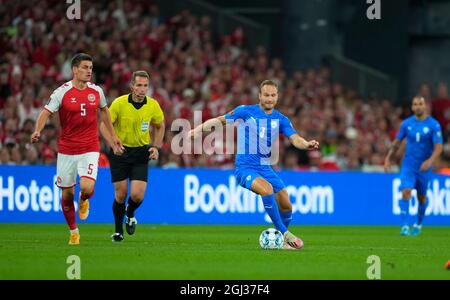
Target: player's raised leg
point(134, 201)
point(86, 192)
point(120, 195)
point(87, 169)
point(404, 211)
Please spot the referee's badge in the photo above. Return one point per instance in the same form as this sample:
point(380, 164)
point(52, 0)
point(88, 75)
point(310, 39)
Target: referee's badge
point(144, 126)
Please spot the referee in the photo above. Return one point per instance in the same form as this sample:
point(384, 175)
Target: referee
point(132, 115)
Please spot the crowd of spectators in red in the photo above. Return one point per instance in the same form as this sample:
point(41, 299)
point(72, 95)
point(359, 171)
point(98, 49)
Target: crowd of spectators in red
point(191, 70)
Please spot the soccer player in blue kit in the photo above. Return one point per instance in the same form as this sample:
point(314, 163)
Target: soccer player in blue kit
point(259, 126)
point(423, 145)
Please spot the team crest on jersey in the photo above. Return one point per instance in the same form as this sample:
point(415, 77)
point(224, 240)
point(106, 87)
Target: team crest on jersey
point(274, 124)
point(426, 130)
point(91, 97)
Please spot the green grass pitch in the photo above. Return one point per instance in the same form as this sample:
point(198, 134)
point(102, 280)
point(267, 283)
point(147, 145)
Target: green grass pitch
point(221, 252)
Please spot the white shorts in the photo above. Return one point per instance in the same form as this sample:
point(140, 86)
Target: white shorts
point(68, 166)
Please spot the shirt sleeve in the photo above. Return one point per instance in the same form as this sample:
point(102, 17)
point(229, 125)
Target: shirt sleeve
point(114, 111)
point(239, 113)
point(402, 132)
point(55, 101)
point(437, 134)
point(158, 115)
point(102, 98)
point(286, 127)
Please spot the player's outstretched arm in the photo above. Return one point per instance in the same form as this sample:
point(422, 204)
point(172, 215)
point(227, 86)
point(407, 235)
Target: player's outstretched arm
point(109, 133)
point(40, 123)
point(298, 142)
point(207, 126)
point(387, 161)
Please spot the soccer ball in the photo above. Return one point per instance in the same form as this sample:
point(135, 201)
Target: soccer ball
point(271, 239)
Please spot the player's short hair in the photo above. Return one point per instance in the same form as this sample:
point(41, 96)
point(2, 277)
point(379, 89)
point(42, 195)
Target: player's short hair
point(268, 82)
point(139, 74)
point(79, 57)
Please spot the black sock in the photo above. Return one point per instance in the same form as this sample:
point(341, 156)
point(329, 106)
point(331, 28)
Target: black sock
point(119, 213)
point(132, 206)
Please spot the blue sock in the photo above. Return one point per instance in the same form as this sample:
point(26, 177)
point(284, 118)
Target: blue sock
point(271, 207)
point(286, 217)
point(404, 211)
point(421, 213)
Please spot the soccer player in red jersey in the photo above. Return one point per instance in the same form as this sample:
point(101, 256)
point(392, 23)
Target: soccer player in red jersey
point(77, 102)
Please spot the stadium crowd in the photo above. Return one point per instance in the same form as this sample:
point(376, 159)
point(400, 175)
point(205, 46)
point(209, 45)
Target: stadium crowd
point(191, 70)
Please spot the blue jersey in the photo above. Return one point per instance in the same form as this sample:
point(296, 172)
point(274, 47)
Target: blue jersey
point(421, 137)
point(257, 132)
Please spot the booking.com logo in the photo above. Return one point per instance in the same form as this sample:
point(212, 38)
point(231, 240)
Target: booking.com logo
point(261, 135)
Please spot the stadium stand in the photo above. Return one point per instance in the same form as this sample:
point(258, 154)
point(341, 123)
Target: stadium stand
point(191, 70)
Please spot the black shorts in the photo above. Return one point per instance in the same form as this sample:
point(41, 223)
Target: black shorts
point(132, 164)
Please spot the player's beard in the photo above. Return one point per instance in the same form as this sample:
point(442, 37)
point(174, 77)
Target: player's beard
point(420, 114)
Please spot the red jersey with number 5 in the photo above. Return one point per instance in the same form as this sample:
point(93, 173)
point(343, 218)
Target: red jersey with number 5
point(78, 117)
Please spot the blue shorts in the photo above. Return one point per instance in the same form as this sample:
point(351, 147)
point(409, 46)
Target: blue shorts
point(414, 179)
point(246, 175)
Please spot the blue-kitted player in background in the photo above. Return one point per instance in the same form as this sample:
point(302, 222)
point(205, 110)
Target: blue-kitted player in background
point(259, 126)
point(423, 145)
